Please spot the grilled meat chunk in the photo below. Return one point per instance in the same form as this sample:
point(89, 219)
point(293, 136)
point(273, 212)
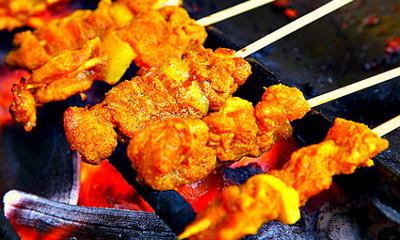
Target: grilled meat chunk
point(171, 153)
point(233, 133)
point(173, 90)
point(347, 146)
point(18, 13)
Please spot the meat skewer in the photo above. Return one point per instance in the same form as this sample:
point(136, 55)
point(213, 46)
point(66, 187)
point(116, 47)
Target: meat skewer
point(105, 59)
point(279, 194)
point(18, 13)
point(235, 131)
point(189, 87)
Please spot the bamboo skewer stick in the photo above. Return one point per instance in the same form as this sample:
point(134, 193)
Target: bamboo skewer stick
point(352, 88)
point(232, 11)
point(388, 126)
point(292, 27)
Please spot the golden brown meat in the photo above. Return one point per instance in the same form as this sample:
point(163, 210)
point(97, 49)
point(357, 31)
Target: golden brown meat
point(279, 106)
point(171, 153)
point(156, 36)
point(18, 13)
point(160, 93)
point(150, 39)
point(61, 77)
point(241, 210)
point(35, 48)
point(142, 6)
point(233, 134)
point(23, 107)
point(309, 171)
point(97, 121)
point(233, 130)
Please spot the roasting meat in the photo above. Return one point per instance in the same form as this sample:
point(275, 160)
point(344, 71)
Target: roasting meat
point(233, 133)
point(18, 13)
point(156, 36)
point(233, 130)
point(347, 146)
point(35, 48)
point(156, 147)
point(279, 106)
point(173, 90)
point(142, 6)
point(94, 45)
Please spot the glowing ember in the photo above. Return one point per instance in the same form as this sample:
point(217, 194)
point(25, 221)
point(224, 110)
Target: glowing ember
point(285, 7)
point(203, 192)
point(103, 186)
point(26, 233)
point(393, 47)
point(279, 154)
point(7, 79)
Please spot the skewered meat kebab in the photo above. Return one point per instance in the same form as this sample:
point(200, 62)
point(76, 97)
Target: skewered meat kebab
point(149, 38)
point(35, 48)
point(18, 13)
point(177, 151)
point(235, 131)
point(182, 87)
point(116, 59)
point(279, 194)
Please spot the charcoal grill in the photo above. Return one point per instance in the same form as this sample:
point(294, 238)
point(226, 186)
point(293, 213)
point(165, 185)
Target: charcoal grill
point(42, 164)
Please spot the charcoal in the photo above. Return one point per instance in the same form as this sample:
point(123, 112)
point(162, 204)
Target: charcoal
point(72, 221)
point(7, 232)
point(170, 206)
point(241, 174)
point(40, 162)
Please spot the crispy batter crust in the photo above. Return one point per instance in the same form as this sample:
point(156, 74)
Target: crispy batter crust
point(90, 124)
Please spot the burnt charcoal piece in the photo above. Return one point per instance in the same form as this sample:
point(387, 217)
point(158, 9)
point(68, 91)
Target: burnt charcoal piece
point(278, 231)
point(7, 232)
point(241, 174)
point(170, 206)
point(40, 162)
point(387, 210)
point(83, 223)
point(311, 129)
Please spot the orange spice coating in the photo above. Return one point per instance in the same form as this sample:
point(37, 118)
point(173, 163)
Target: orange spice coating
point(68, 54)
point(233, 130)
point(168, 92)
point(279, 106)
point(233, 134)
point(35, 48)
point(156, 36)
point(309, 171)
point(72, 70)
point(23, 108)
point(153, 153)
point(16, 13)
point(142, 6)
